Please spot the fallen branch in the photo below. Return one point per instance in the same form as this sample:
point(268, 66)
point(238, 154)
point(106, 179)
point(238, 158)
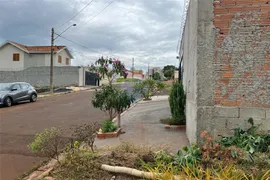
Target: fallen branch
point(133, 172)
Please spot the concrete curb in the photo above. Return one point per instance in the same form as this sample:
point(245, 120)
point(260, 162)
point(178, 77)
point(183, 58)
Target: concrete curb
point(54, 94)
point(131, 107)
point(62, 93)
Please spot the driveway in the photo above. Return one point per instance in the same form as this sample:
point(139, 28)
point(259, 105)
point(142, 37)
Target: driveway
point(20, 123)
point(142, 127)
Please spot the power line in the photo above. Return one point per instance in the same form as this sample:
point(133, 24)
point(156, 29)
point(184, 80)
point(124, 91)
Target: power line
point(77, 43)
point(100, 53)
point(77, 13)
point(87, 21)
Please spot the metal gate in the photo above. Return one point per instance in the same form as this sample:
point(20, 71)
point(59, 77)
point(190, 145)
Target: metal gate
point(91, 79)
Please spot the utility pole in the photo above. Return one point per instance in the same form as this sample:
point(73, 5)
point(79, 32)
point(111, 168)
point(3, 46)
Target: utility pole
point(132, 69)
point(148, 72)
point(52, 44)
point(51, 66)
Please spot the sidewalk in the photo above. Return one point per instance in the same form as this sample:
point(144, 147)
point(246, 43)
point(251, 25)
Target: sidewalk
point(68, 90)
point(142, 127)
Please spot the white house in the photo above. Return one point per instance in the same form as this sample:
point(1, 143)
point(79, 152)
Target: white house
point(16, 57)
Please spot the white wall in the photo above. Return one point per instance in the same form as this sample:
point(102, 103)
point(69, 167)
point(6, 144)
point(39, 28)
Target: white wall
point(6, 59)
point(63, 54)
point(190, 70)
point(34, 60)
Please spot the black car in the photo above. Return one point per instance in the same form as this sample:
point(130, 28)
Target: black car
point(15, 92)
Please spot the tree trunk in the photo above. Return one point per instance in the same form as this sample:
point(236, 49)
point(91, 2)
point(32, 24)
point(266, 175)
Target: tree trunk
point(111, 114)
point(119, 119)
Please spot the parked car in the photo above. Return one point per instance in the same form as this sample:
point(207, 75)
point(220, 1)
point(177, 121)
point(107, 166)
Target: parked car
point(15, 92)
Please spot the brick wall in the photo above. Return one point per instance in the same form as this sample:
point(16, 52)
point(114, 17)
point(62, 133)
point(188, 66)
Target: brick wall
point(242, 56)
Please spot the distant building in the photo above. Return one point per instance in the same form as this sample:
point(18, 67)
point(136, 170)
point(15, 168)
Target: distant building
point(153, 70)
point(137, 75)
point(16, 57)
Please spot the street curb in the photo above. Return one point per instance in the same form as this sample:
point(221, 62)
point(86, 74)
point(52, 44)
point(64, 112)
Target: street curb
point(62, 93)
point(55, 94)
point(127, 110)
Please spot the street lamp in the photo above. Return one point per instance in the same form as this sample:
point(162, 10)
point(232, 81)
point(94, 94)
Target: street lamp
point(52, 44)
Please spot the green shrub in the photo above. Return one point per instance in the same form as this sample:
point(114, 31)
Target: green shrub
point(77, 164)
point(190, 156)
point(160, 86)
point(177, 100)
point(145, 88)
point(248, 140)
point(108, 126)
point(48, 143)
point(87, 134)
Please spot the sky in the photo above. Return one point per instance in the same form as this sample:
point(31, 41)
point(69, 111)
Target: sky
point(146, 30)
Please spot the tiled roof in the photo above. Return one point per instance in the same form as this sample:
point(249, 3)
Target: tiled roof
point(38, 49)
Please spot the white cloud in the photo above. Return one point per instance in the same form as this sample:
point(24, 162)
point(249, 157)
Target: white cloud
point(147, 30)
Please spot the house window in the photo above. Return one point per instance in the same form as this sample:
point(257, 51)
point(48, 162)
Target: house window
point(59, 59)
point(67, 61)
point(16, 57)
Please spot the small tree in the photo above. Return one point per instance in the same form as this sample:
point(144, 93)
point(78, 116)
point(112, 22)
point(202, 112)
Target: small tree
point(104, 100)
point(49, 143)
point(177, 100)
point(156, 76)
point(108, 67)
point(122, 101)
point(86, 133)
point(169, 71)
point(160, 86)
point(145, 88)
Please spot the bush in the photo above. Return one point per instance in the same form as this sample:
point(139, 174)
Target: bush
point(145, 88)
point(177, 100)
point(189, 157)
point(248, 140)
point(87, 134)
point(160, 86)
point(108, 126)
point(77, 164)
point(49, 143)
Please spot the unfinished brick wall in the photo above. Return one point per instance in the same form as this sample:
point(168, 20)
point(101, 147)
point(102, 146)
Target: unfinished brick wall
point(242, 57)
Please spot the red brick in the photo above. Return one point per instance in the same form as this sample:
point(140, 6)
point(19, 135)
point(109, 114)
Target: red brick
point(266, 67)
point(264, 22)
point(224, 17)
point(265, 15)
point(265, 7)
point(221, 24)
point(227, 74)
point(227, 2)
point(260, 2)
point(235, 9)
point(251, 8)
point(243, 2)
point(220, 10)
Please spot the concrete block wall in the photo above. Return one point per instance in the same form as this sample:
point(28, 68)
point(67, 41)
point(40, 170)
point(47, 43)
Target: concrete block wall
point(242, 57)
point(40, 76)
point(232, 66)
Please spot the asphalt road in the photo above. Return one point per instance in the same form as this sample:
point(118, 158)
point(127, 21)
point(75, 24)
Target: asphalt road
point(20, 123)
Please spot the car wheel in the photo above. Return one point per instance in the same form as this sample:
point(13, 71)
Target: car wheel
point(33, 97)
point(8, 102)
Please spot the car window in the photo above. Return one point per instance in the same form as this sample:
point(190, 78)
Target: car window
point(16, 86)
point(24, 86)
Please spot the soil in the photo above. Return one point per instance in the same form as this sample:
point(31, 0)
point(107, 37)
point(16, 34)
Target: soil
point(125, 157)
